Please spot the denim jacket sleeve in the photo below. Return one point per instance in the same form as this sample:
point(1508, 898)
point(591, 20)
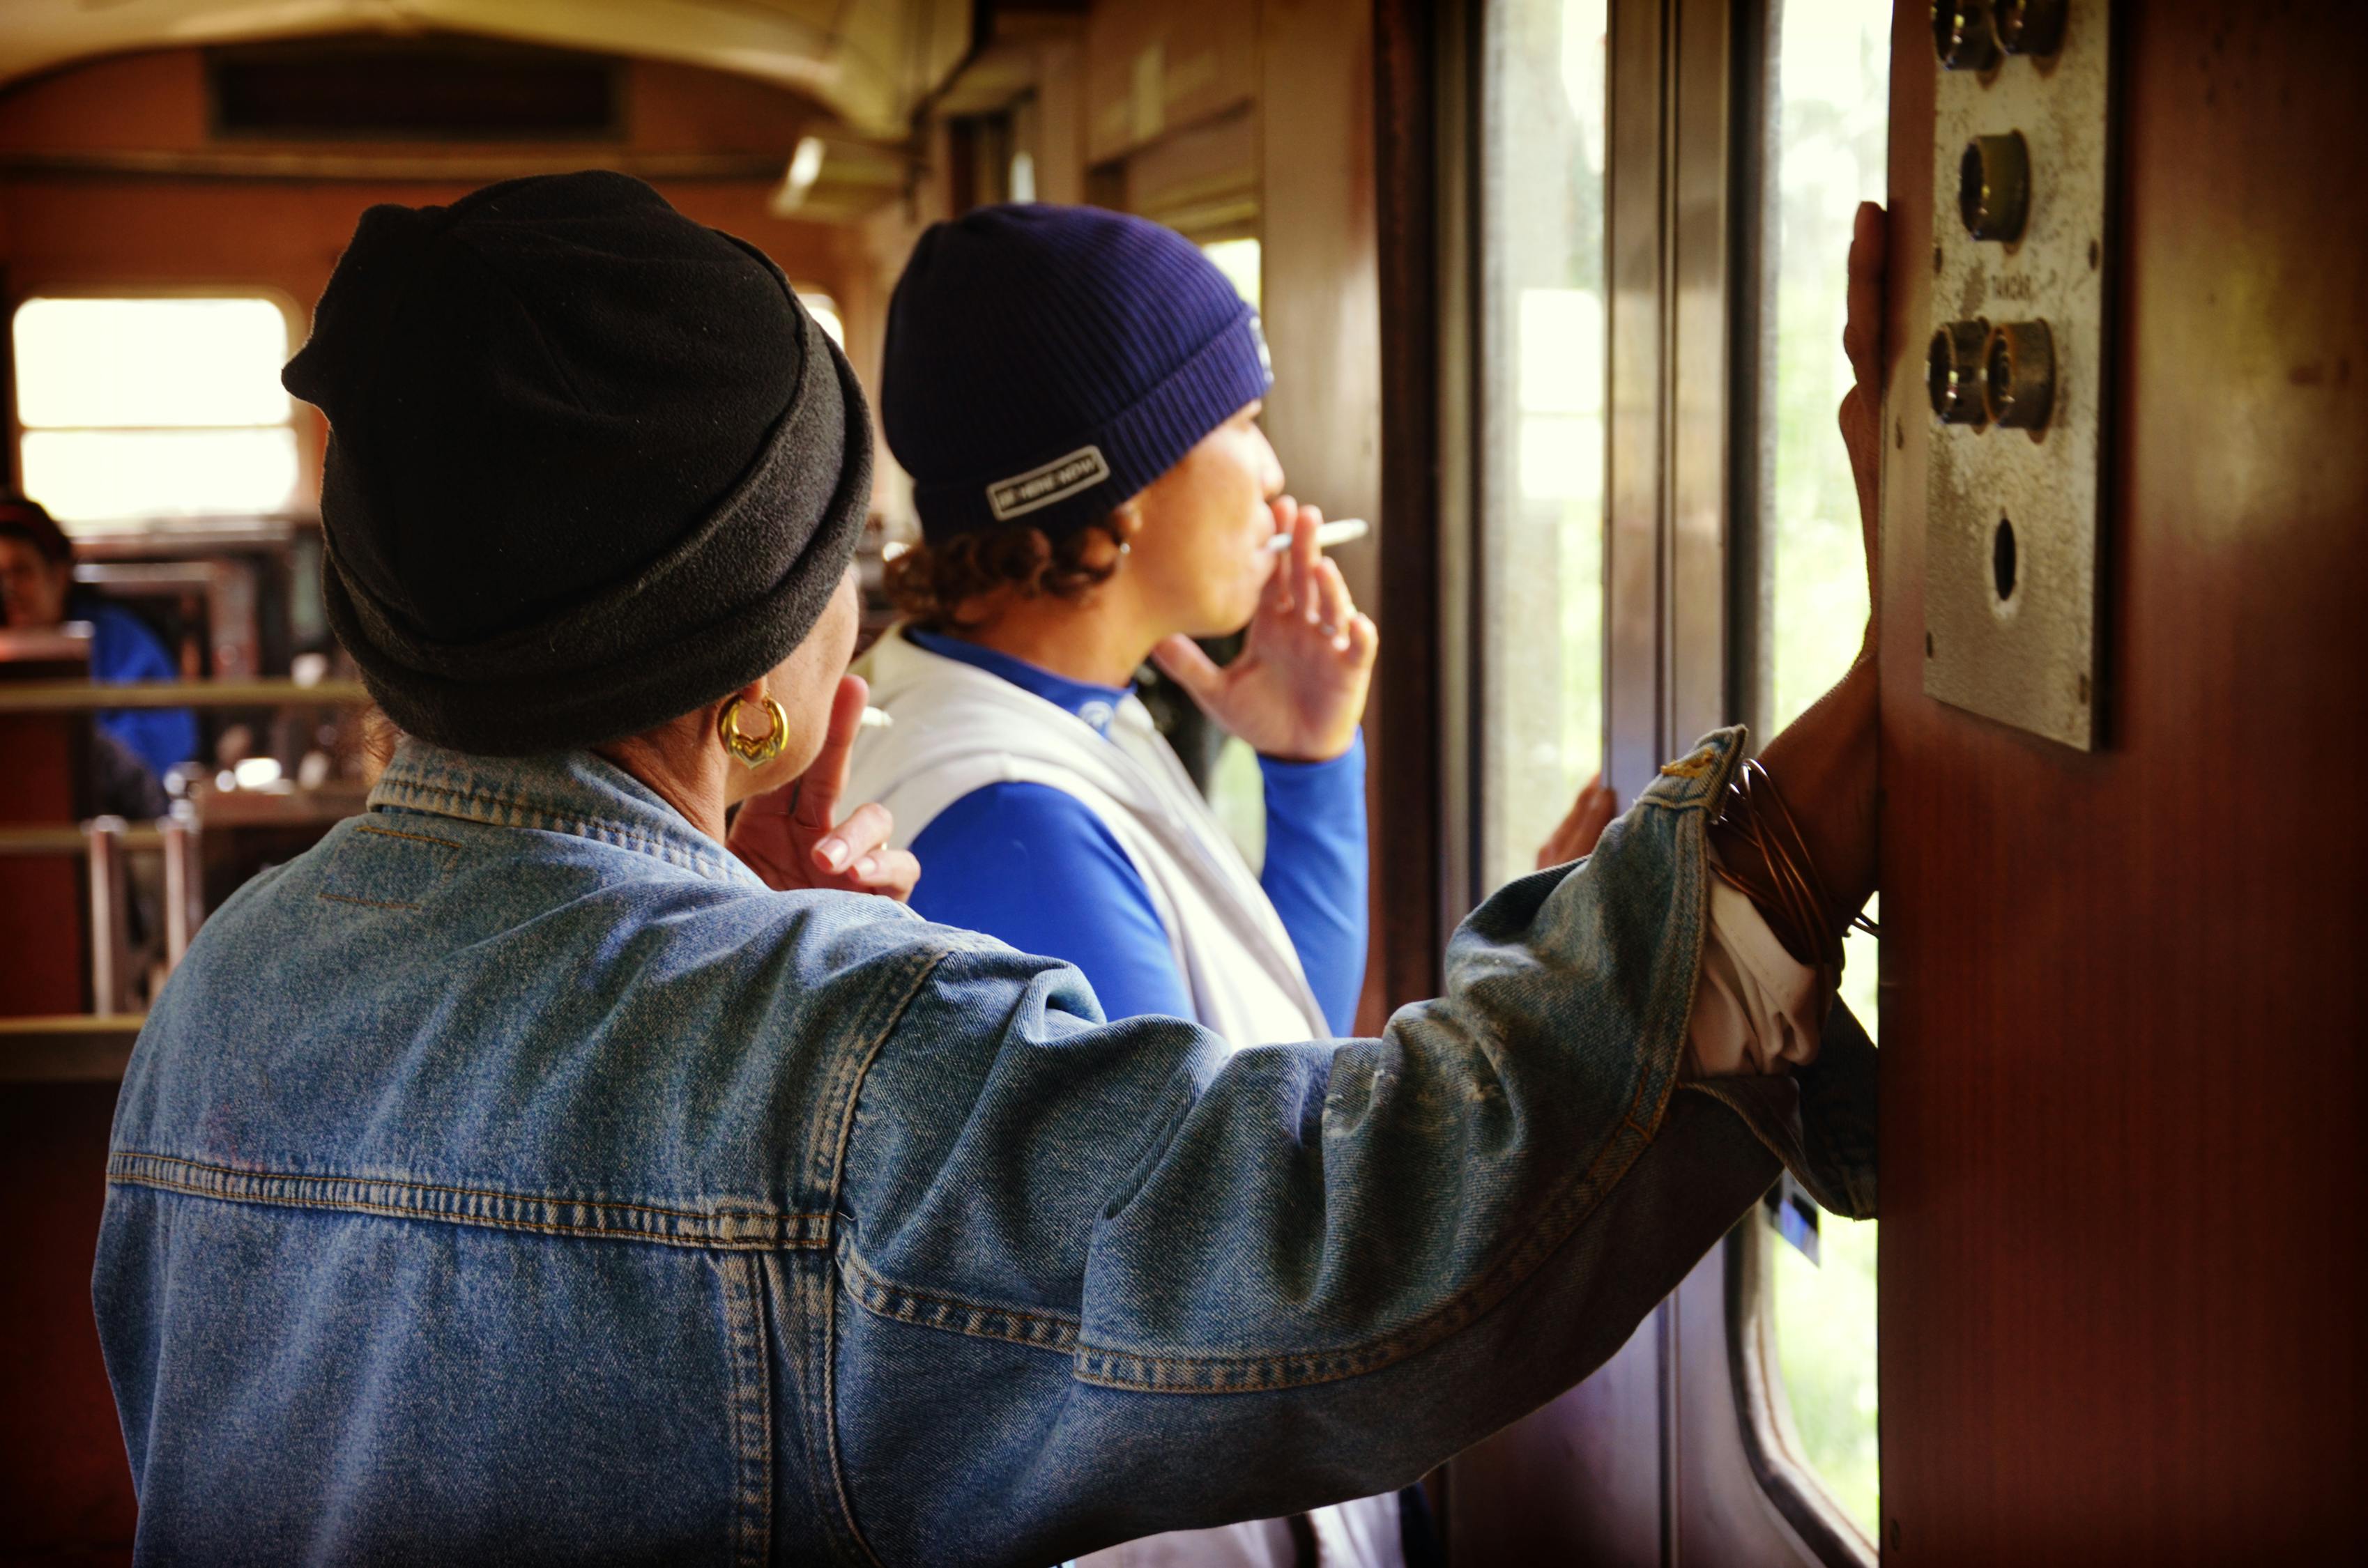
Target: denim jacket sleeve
point(1102, 1280)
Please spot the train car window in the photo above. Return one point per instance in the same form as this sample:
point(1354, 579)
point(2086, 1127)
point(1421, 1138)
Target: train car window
point(825, 311)
point(1541, 350)
point(1239, 260)
point(155, 405)
point(1236, 790)
point(1828, 76)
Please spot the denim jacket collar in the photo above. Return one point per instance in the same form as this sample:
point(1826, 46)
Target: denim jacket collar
point(573, 792)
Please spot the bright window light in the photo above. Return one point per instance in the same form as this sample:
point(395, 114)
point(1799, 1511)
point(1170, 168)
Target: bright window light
point(155, 406)
point(1239, 261)
point(1827, 148)
point(825, 311)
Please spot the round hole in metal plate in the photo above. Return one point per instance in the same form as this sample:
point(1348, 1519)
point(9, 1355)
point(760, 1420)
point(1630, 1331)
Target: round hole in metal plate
point(2002, 561)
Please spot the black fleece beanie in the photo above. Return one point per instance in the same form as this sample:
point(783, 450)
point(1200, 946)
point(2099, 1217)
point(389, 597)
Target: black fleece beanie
point(591, 466)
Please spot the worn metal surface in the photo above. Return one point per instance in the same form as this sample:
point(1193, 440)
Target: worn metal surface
point(2028, 657)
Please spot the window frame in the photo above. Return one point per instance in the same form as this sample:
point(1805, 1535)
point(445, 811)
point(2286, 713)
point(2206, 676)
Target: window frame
point(1785, 1474)
point(1685, 85)
point(1770, 1443)
point(302, 502)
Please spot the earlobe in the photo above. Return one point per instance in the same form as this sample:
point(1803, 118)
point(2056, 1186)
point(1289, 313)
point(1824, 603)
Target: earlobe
point(1125, 522)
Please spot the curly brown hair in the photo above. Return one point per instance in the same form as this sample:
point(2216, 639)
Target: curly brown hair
point(931, 584)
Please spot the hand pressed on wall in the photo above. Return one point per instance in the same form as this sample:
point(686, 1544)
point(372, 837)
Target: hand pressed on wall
point(1861, 409)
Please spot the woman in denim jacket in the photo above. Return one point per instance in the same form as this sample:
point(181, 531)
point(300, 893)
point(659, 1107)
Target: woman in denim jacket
point(525, 1174)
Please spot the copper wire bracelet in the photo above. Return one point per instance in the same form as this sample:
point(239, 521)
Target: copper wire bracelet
point(1785, 886)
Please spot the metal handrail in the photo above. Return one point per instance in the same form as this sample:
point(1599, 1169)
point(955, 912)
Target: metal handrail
point(102, 843)
point(72, 839)
point(67, 1047)
point(78, 696)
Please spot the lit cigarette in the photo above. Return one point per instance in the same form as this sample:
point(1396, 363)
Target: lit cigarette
point(878, 719)
point(1348, 531)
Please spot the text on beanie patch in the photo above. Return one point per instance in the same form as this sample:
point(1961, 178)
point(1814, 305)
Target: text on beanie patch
point(1063, 476)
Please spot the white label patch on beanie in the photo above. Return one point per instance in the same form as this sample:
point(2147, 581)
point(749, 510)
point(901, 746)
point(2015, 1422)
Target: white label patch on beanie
point(1025, 493)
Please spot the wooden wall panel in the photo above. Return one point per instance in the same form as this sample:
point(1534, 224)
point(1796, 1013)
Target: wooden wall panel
point(44, 963)
point(2121, 1287)
point(1579, 1479)
point(1320, 247)
point(44, 955)
point(66, 1486)
point(1152, 66)
point(71, 222)
point(1409, 789)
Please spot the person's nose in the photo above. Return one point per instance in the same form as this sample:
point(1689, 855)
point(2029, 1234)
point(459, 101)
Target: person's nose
point(1270, 465)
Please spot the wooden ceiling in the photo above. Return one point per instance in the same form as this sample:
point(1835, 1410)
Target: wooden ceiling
point(871, 62)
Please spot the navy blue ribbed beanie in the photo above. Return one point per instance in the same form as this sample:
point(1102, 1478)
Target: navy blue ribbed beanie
point(1045, 363)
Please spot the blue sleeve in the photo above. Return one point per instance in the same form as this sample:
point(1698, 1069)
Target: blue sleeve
point(1315, 872)
point(1035, 867)
point(123, 649)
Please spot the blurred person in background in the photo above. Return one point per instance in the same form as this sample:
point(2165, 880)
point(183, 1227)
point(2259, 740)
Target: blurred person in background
point(37, 590)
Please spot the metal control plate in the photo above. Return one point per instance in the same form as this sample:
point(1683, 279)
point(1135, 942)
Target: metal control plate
point(2011, 627)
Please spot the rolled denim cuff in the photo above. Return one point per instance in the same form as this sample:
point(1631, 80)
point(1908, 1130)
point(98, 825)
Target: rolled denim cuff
point(1820, 1121)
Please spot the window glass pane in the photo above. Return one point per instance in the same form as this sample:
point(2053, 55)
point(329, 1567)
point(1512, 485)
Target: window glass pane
point(1829, 78)
point(1542, 352)
point(1238, 260)
point(1825, 1351)
point(1237, 788)
point(150, 362)
point(83, 475)
point(825, 311)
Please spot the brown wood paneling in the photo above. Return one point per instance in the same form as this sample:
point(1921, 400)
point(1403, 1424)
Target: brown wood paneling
point(67, 226)
point(44, 963)
point(1316, 220)
point(1152, 66)
point(1407, 795)
point(65, 1485)
point(2121, 1288)
point(1579, 1481)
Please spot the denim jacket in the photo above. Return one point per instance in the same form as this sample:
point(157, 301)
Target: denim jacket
point(514, 1176)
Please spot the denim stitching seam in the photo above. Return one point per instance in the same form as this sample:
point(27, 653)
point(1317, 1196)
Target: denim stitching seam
point(981, 1319)
point(846, 1087)
point(490, 1207)
point(1565, 1213)
point(750, 1406)
point(845, 1494)
point(834, 1122)
point(413, 837)
point(472, 803)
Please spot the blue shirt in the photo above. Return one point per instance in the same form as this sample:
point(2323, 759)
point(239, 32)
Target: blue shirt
point(1034, 867)
point(122, 648)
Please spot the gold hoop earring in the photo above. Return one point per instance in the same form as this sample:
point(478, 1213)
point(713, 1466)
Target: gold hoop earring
point(752, 751)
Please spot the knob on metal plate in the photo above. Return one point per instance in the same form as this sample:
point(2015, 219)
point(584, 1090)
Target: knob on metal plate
point(1953, 372)
point(1994, 186)
point(2030, 27)
point(2019, 378)
point(1965, 34)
